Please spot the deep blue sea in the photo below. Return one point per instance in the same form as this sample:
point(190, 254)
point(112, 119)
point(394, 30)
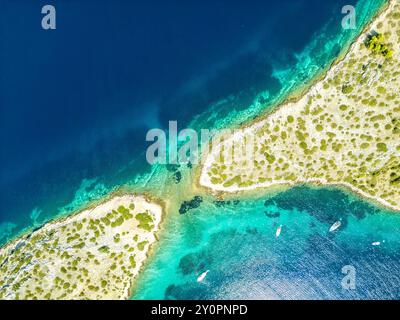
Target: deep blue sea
point(76, 103)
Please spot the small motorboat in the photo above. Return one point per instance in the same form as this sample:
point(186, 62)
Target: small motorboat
point(201, 277)
point(378, 243)
point(335, 226)
point(278, 231)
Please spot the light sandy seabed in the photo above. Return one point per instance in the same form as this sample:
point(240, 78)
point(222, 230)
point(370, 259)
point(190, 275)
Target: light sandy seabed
point(94, 254)
point(344, 131)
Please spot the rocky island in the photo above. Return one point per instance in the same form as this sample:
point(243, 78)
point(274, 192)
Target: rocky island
point(344, 131)
point(94, 254)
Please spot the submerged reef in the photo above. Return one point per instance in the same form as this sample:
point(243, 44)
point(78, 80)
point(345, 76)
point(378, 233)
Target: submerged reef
point(191, 204)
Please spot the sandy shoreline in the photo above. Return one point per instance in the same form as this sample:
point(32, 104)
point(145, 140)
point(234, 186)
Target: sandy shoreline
point(300, 92)
point(89, 237)
point(258, 124)
point(159, 207)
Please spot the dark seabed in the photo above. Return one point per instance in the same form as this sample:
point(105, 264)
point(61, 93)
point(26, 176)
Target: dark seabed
point(237, 243)
point(76, 103)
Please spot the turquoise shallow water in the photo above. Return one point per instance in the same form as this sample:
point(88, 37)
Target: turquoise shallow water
point(272, 62)
point(236, 242)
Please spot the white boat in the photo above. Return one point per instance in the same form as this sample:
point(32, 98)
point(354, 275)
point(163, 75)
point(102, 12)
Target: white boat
point(201, 277)
point(377, 243)
point(278, 231)
point(335, 226)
